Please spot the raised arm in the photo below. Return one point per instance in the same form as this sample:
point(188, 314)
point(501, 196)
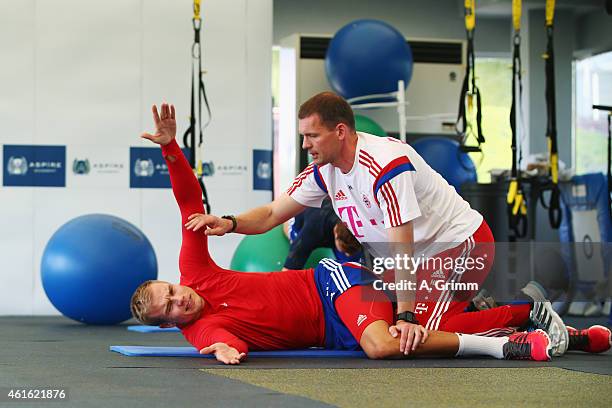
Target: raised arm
point(187, 191)
point(184, 184)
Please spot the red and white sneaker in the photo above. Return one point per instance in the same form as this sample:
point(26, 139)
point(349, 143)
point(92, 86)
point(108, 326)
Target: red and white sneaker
point(535, 345)
point(595, 339)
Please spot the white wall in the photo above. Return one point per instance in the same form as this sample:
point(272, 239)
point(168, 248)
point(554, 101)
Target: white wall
point(594, 32)
point(84, 74)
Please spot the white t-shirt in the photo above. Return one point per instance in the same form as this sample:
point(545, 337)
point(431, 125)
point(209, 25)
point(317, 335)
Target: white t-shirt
point(389, 185)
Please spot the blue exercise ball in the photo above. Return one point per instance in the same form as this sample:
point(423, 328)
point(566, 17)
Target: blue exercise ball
point(445, 157)
point(93, 264)
point(367, 57)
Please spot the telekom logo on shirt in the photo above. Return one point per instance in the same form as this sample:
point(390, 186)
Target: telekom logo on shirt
point(353, 219)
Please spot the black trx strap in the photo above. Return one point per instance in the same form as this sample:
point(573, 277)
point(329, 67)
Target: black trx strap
point(554, 205)
point(609, 158)
point(516, 204)
point(609, 161)
point(469, 92)
point(197, 87)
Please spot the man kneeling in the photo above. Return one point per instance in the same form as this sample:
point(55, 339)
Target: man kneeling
point(229, 313)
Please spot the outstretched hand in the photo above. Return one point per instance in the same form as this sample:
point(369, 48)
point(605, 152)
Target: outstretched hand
point(165, 125)
point(224, 353)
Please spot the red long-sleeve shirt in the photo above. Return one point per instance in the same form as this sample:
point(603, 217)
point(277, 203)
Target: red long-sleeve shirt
point(261, 311)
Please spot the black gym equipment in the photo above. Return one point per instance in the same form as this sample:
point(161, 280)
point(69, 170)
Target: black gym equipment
point(195, 121)
point(469, 90)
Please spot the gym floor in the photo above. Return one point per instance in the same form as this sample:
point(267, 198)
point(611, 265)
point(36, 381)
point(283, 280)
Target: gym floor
point(54, 352)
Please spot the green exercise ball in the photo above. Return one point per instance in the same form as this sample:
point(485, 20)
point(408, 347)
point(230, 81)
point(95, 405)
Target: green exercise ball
point(317, 255)
point(367, 125)
point(261, 253)
point(267, 253)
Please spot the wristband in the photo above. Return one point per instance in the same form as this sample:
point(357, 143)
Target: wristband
point(234, 222)
point(408, 317)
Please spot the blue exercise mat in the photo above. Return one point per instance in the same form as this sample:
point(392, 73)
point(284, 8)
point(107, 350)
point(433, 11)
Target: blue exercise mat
point(145, 351)
point(153, 329)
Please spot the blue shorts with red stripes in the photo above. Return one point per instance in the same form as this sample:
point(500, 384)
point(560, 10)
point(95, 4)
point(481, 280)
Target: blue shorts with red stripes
point(332, 280)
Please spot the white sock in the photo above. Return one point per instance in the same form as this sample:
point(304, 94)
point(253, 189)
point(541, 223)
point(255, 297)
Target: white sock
point(470, 345)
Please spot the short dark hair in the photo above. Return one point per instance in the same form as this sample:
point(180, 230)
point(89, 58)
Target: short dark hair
point(331, 108)
point(351, 245)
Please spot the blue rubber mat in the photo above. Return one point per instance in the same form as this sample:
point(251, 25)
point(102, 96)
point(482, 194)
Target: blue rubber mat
point(153, 329)
point(144, 351)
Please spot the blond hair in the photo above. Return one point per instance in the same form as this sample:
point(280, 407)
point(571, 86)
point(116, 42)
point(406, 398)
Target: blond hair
point(139, 305)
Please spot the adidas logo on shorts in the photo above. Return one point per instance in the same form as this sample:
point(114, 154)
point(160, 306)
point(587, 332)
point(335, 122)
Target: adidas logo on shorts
point(361, 319)
point(438, 274)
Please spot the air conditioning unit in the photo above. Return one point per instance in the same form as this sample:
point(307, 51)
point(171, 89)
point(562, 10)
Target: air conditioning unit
point(432, 95)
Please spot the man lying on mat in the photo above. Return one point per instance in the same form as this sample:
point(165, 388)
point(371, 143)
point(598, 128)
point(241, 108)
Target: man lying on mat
point(227, 312)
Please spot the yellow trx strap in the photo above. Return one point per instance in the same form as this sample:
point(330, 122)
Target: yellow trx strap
point(516, 203)
point(196, 9)
point(554, 204)
point(192, 138)
point(554, 156)
point(550, 12)
point(470, 23)
point(197, 21)
point(469, 90)
point(554, 163)
point(470, 14)
point(516, 14)
point(515, 199)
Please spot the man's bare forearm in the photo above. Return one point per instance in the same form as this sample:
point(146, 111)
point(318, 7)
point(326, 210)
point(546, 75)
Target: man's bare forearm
point(256, 221)
point(401, 244)
point(405, 297)
point(264, 218)
point(405, 277)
